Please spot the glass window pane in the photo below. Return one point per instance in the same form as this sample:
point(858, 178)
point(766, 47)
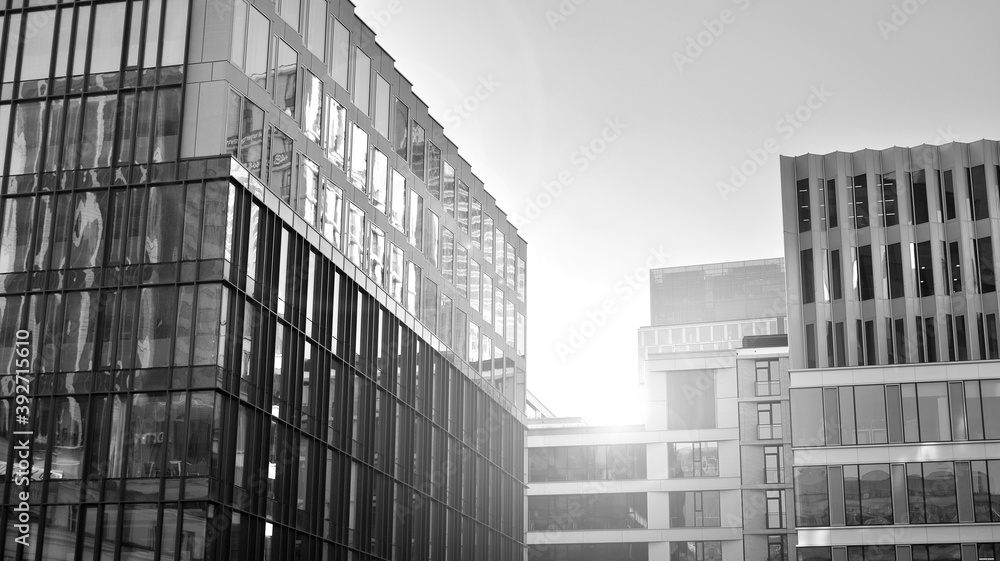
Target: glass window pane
point(339, 53)
point(259, 27)
point(359, 157)
point(932, 404)
point(312, 106)
point(289, 10)
point(164, 225)
point(397, 201)
point(168, 122)
point(333, 213)
point(871, 416)
point(362, 80)
point(401, 128)
point(285, 77)
point(380, 178)
point(991, 407)
point(280, 168)
point(381, 116)
point(238, 46)
point(336, 132)
point(417, 152)
point(252, 137)
point(355, 235)
point(98, 131)
point(154, 340)
point(36, 54)
point(152, 37)
point(316, 40)
point(15, 239)
point(26, 148)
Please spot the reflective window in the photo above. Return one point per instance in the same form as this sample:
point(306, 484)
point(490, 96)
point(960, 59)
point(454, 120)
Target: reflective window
point(258, 26)
point(36, 52)
point(335, 133)
point(312, 105)
point(586, 463)
point(280, 168)
point(412, 287)
point(607, 511)
point(376, 255)
point(252, 137)
point(174, 34)
point(511, 267)
point(476, 224)
point(488, 238)
point(876, 494)
point(165, 215)
point(359, 157)
point(362, 80)
point(417, 151)
point(355, 235)
point(237, 48)
point(488, 299)
point(333, 212)
point(695, 551)
point(918, 196)
point(395, 286)
point(431, 238)
point(428, 304)
point(285, 76)
point(498, 310)
point(289, 11)
point(448, 255)
point(693, 459)
point(985, 273)
point(415, 221)
point(381, 109)
point(463, 208)
point(685, 410)
point(520, 334)
point(434, 170)
point(509, 316)
point(462, 269)
point(499, 255)
point(26, 148)
point(338, 60)
point(308, 190)
point(316, 28)
point(812, 497)
point(397, 201)
point(400, 128)
point(380, 179)
point(521, 280)
point(474, 284)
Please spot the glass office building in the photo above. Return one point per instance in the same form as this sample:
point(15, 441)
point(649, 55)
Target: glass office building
point(895, 384)
point(264, 309)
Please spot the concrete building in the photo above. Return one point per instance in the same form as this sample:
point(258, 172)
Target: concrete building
point(707, 476)
point(895, 385)
point(270, 312)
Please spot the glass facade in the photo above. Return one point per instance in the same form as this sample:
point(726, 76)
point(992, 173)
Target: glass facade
point(227, 356)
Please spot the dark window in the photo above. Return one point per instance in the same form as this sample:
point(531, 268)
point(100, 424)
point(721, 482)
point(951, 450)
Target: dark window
point(812, 497)
point(604, 511)
point(836, 276)
point(895, 266)
point(925, 269)
point(401, 122)
point(811, 346)
point(876, 495)
point(984, 266)
point(978, 201)
point(831, 198)
point(802, 188)
point(808, 284)
point(887, 199)
point(956, 267)
point(859, 202)
point(841, 342)
point(948, 188)
point(695, 509)
point(866, 284)
point(776, 546)
point(918, 190)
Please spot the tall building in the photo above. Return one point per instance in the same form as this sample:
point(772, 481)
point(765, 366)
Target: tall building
point(268, 312)
point(707, 477)
point(895, 385)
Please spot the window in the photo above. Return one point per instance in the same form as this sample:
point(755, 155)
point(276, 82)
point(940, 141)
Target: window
point(767, 378)
point(417, 151)
point(802, 188)
point(812, 497)
point(831, 197)
point(362, 81)
point(887, 199)
point(316, 28)
point(768, 421)
point(695, 509)
point(948, 190)
point(448, 190)
point(335, 132)
point(355, 235)
point(984, 266)
point(359, 158)
point(691, 400)
point(895, 270)
point(289, 11)
point(774, 465)
point(499, 255)
point(379, 180)
point(285, 77)
point(836, 276)
point(693, 459)
point(521, 280)
point(924, 267)
point(312, 106)
point(605, 511)
point(340, 50)
point(381, 109)
point(397, 201)
point(918, 194)
point(775, 509)
point(308, 197)
point(333, 213)
point(415, 221)
point(776, 546)
point(401, 128)
point(859, 201)
point(280, 166)
point(376, 255)
point(695, 551)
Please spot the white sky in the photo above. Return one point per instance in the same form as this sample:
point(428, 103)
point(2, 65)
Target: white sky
point(651, 196)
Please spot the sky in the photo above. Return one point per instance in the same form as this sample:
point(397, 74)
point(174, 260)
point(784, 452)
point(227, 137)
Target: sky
point(630, 135)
